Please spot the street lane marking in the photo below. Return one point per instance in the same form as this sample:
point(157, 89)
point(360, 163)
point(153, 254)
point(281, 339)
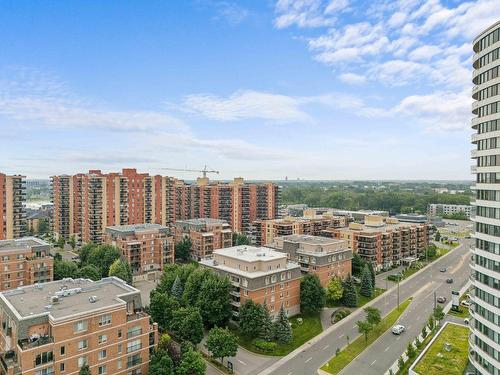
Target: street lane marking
point(326, 347)
point(373, 363)
point(290, 373)
point(308, 359)
point(243, 363)
point(342, 335)
point(386, 349)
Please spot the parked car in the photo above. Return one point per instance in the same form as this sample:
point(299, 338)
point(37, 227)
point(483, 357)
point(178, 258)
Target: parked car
point(449, 280)
point(465, 303)
point(441, 299)
point(466, 320)
point(398, 329)
point(442, 269)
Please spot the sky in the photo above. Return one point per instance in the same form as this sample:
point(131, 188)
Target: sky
point(263, 89)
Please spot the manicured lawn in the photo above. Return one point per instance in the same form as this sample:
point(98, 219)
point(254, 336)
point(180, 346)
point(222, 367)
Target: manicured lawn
point(405, 368)
point(464, 311)
point(310, 327)
point(361, 299)
point(438, 361)
point(337, 363)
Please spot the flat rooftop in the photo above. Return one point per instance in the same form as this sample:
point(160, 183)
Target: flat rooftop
point(35, 299)
point(249, 253)
point(313, 240)
point(25, 243)
point(202, 221)
point(134, 228)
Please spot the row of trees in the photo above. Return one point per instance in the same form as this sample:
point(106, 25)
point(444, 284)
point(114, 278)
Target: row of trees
point(183, 247)
point(394, 201)
point(95, 262)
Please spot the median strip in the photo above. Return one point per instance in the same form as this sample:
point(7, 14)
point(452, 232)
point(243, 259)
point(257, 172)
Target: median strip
point(351, 351)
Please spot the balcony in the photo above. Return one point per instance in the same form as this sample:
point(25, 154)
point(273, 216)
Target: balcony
point(29, 344)
point(137, 315)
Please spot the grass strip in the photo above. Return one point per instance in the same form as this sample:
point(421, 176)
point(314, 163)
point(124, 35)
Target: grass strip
point(340, 361)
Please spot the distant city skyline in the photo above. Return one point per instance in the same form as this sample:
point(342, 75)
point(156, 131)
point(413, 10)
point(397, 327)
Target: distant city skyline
point(325, 90)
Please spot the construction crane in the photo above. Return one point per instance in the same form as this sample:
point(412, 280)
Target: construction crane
point(204, 170)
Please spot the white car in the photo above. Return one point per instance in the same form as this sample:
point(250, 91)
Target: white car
point(466, 320)
point(398, 329)
point(465, 303)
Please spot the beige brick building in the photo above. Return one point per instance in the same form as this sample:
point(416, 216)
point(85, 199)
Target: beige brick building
point(146, 247)
point(55, 328)
point(325, 257)
point(12, 210)
point(25, 261)
point(206, 235)
point(260, 274)
point(264, 231)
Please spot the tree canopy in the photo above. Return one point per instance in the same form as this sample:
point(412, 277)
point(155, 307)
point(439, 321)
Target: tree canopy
point(312, 294)
point(222, 343)
point(121, 270)
point(334, 289)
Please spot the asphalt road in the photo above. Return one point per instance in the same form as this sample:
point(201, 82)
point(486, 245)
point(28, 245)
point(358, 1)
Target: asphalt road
point(380, 355)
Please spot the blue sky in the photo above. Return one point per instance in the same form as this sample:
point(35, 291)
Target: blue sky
point(316, 89)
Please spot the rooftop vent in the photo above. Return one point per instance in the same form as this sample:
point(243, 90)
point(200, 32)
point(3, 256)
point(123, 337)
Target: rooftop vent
point(93, 299)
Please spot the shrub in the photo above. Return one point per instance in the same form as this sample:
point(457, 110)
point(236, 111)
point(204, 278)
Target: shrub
point(339, 315)
point(265, 346)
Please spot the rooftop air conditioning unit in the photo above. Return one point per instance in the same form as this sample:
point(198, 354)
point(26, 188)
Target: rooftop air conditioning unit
point(93, 299)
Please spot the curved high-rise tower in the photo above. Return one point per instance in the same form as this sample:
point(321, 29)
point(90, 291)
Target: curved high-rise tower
point(484, 340)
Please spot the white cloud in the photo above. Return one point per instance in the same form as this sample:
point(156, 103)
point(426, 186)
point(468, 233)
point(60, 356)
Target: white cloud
point(29, 95)
point(231, 12)
point(248, 105)
point(424, 53)
point(352, 78)
point(307, 13)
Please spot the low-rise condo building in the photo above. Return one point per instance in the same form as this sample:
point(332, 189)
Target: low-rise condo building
point(439, 209)
point(206, 235)
point(264, 231)
point(146, 247)
point(325, 257)
point(57, 327)
point(25, 261)
point(260, 274)
point(384, 241)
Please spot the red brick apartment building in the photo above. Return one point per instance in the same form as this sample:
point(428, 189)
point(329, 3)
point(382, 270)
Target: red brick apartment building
point(384, 241)
point(264, 231)
point(325, 257)
point(12, 211)
point(146, 247)
point(85, 204)
point(206, 235)
point(57, 327)
point(260, 274)
point(25, 261)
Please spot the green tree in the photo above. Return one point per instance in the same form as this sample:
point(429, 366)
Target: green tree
point(431, 251)
point(240, 239)
point(84, 252)
point(364, 328)
point(161, 308)
point(165, 341)
point(58, 257)
point(222, 343)
point(193, 285)
point(64, 268)
point(214, 301)
point(161, 364)
point(334, 290)
point(372, 274)
point(401, 362)
point(437, 236)
point(89, 272)
point(282, 329)
point(60, 242)
point(431, 322)
point(43, 226)
point(72, 242)
point(267, 329)
point(177, 289)
point(438, 314)
point(358, 264)
point(252, 317)
point(366, 283)
point(183, 249)
point(410, 350)
point(103, 256)
point(312, 294)
point(121, 270)
point(192, 363)
point(187, 324)
point(85, 370)
point(424, 331)
point(372, 315)
point(350, 295)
